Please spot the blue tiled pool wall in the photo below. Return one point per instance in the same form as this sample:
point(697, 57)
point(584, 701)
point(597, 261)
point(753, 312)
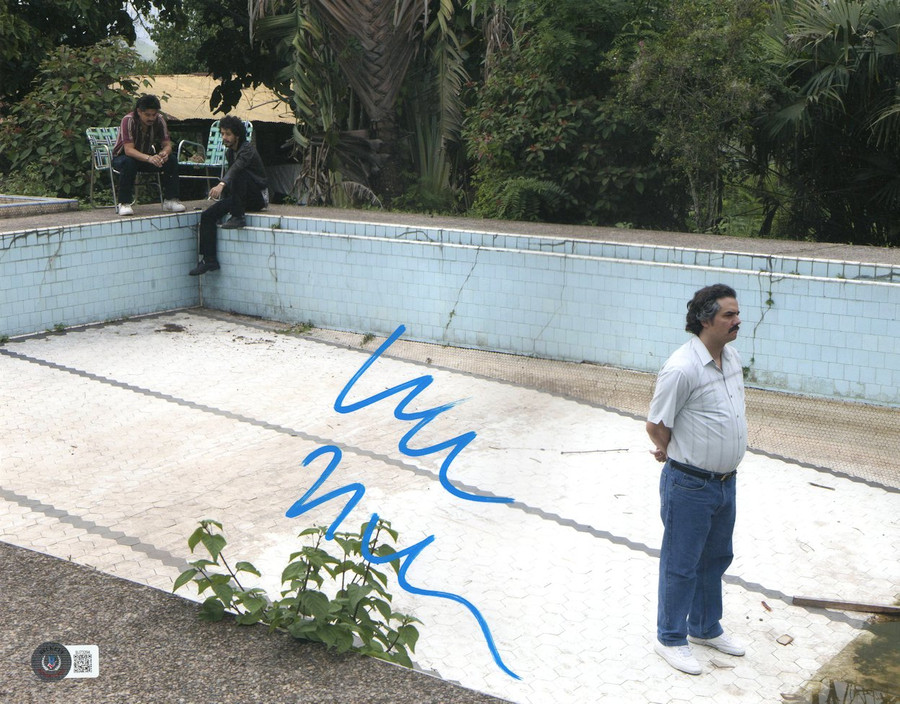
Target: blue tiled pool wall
point(621, 305)
point(95, 272)
point(828, 333)
point(592, 248)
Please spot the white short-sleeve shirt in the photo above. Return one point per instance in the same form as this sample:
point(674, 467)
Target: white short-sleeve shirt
point(703, 406)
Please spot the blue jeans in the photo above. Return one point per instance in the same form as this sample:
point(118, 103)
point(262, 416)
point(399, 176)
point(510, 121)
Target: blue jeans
point(698, 520)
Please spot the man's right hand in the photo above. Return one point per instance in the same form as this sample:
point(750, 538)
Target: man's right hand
point(660, 435)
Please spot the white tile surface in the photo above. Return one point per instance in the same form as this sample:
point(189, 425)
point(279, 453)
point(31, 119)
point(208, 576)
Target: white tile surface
point(118, 439)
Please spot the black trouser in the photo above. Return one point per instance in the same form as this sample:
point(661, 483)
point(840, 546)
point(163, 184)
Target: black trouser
point(241, 195)
point(128, 169)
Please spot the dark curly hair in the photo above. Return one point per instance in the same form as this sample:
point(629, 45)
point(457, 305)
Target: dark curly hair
point(705, 304)
point(236, 126)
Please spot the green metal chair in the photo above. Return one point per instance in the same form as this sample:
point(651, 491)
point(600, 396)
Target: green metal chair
point(102, 140)
point(213, 153)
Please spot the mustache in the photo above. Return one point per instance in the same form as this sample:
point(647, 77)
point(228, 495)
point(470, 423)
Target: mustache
point(735, 328)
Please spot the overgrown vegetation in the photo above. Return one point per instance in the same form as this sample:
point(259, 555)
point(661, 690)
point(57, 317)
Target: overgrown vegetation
point(698, 79)
point(743, 117)
point(546, 135)
point(43, 148)
point(341, 601)
point(31, 30)
point(834, 137)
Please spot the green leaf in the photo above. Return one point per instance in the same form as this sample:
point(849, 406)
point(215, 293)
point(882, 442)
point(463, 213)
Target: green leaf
point(246, 567)
point(195, 538)
point(345, 566)
point(184, 578)
point(355, 594)
point(212, 610)
point(303, 629)
point(293, 571)
point(214, 544)
point(253, 603)
point(314, 603)
point(399, 656)
point(318, 557)
point(384, 608)
point(408, 636)
point(223, 592)
point(247, 619)
point(335, 636)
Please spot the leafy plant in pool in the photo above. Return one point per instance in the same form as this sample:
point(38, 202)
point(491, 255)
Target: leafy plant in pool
point(341, 601)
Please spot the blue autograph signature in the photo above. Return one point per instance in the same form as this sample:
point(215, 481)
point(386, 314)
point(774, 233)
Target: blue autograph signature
point(355, 490)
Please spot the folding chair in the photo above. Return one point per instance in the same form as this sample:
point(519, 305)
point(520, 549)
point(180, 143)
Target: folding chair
point(213, 154)
point(102, 141)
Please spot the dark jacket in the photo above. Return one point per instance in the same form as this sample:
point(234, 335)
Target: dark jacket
point(247, 159)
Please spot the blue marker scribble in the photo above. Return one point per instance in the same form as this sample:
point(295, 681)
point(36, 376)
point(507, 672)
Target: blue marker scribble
point(356, 490)
point(410, 554)
point(416, 387)
point(301, 505)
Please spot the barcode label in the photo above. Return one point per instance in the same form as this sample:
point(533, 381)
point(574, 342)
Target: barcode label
point(85, 660)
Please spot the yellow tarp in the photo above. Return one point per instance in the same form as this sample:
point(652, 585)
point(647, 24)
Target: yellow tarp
point(186, 97)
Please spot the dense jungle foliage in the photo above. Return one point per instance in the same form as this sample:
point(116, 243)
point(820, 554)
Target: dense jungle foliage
point(772, 118)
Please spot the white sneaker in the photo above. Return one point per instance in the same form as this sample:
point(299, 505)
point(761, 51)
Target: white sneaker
point(173, 206)
point(679, 656)
point(124, 209)
point(722, 643)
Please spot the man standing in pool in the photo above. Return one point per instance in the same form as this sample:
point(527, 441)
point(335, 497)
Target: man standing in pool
point(699, 429)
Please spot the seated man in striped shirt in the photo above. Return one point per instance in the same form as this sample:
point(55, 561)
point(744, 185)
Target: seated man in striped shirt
point(144, 144)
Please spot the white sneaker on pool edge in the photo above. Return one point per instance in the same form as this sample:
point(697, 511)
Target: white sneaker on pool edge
point(679, 656)
point(124, 209)
point(173, 206)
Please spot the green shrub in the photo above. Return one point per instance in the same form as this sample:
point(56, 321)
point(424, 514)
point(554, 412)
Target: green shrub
point(342, 602)
point(27, 181)
point(547, 115)
point(43, 146)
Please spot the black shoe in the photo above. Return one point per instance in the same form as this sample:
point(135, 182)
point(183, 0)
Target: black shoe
point(203, 267)
point(234, 223)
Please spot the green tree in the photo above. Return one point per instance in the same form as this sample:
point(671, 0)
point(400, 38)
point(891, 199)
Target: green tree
point(545, 134)
point(31, 29)
point(835, 133)
point(42, 141)
point(348, 62)
point(179, 39)
point(698, 80)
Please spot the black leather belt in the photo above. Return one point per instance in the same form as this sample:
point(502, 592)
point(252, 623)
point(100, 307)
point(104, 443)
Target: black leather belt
point(701, 473)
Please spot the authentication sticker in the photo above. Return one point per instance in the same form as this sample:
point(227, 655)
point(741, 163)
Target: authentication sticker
point(85, 660)
point(54, 661)
point(51, 661)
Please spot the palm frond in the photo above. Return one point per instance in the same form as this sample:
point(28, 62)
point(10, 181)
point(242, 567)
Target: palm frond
point(524, 198)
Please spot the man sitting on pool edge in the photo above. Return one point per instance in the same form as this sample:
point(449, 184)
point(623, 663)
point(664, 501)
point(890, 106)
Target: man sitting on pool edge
point(243, 188)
